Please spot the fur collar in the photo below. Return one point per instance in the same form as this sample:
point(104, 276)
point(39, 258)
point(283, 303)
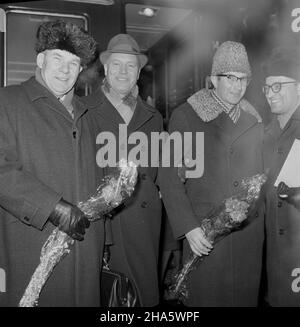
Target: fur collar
point(207, 108)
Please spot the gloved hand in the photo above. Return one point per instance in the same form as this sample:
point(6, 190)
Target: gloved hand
point(69, 219)
point(289, 194)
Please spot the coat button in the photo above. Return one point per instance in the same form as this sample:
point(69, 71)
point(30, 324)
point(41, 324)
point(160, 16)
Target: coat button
point(281, 231)
point(279, 150)
point(279, 204)
point(144, 204)
point(236, 183)
point(144, 176)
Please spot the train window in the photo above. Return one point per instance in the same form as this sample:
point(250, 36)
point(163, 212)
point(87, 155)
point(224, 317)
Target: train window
point(19, 40)
point(148, 24)
point(152, 28)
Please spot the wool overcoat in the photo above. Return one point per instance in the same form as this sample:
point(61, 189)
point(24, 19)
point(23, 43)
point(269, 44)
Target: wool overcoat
point(136, 227)
point(45, 155)
point(230, 274)
point(282, 219)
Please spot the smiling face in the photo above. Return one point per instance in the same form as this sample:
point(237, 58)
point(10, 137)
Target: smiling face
point(284, 102)
point(122, 72)
point(59, 69)
point(231, 92)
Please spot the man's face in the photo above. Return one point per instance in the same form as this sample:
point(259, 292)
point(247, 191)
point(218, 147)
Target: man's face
point(59, 69)
point(122, 72)
point(286, 100)
point(229, 90)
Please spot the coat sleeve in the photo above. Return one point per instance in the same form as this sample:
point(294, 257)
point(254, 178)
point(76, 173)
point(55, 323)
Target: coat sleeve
point(21, 194)
point(178, 207)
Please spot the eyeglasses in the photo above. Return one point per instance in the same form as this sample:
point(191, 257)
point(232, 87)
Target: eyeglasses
point(275, 87)
point(232, 79)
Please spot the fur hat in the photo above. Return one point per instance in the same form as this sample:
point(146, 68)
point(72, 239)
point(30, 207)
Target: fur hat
point(230, 57)
point(66, 36)
point(123, 43)
point(283, 62)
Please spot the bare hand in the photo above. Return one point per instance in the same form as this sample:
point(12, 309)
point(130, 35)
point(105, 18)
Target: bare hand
point(198, 243)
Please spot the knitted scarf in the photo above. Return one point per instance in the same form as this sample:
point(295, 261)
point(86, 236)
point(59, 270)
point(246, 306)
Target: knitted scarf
point(129, 100)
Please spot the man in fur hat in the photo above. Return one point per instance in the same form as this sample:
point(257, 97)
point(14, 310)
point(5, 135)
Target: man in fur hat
point(230, 274)
point(47, 166)
point(282, 91)
point(136, 228)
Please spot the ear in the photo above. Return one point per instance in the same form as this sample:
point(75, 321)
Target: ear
point(105, 69)
point(40, 59)
point(298, 89)
point(214, 80)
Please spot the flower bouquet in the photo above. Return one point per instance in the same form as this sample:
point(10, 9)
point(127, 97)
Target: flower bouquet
point(113, 191)
point(219, 222)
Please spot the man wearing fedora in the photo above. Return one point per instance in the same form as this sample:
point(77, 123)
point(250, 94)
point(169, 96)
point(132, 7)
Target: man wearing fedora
point(47, 165)
point(136, 228)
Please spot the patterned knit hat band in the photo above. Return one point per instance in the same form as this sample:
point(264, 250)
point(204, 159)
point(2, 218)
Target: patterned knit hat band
point(230, 57)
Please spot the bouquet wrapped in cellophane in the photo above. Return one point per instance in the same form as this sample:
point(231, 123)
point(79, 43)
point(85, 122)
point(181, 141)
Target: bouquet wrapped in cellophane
point(113, 191)
point(220, 222)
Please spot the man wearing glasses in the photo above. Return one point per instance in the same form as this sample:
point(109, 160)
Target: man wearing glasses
point(230, 274)
point(282, 91)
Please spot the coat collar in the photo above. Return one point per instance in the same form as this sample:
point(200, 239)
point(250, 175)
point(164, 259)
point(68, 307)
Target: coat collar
point(210, 111)
point(274, 130)
point(36, 91)
point(207, 108)
point(275, 124)
point(103, 107)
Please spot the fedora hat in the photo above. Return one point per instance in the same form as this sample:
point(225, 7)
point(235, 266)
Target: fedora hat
point(123, 43)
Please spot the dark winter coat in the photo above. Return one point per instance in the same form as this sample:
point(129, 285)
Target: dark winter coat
point(282, 219)
point(45, 155)
point(136, 228)
point(230, 274)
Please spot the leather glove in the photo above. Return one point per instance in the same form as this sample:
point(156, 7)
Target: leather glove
point(289, 194)
point(69, 219)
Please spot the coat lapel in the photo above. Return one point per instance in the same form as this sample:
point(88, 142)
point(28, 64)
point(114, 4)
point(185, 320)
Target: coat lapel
point(141, 115)
point(223, 127)
point(292, 125)
point(105, 110)
point(245, 122)
point(36, 92)
point(230, 132)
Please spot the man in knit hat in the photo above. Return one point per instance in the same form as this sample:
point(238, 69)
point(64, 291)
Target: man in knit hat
point(116, 104)
point(230, 272)
point(47, 166)
point(282, 91)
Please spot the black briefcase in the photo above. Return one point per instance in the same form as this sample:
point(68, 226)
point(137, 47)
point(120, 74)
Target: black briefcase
point(117, 290)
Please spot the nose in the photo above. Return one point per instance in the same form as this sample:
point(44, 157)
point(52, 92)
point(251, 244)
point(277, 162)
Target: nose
point(270, 93)
point(64, 67)
point(123, 69)
point(239, 84)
